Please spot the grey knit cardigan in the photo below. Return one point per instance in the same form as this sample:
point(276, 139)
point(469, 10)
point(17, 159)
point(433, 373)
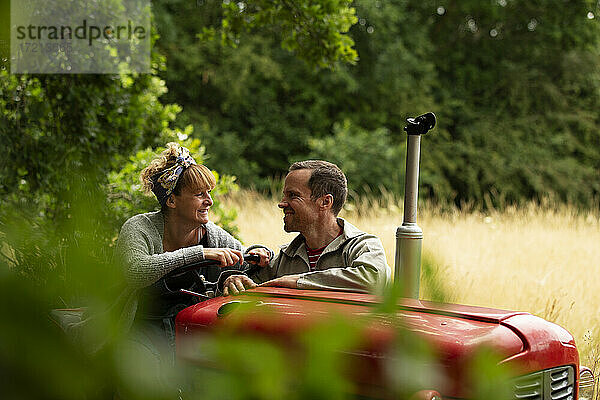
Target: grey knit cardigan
point(140, 249)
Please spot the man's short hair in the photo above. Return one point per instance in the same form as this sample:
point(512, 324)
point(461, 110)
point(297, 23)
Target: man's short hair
point(326, 178)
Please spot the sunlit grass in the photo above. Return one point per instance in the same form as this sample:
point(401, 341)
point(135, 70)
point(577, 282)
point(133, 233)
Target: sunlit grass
point(541, 259)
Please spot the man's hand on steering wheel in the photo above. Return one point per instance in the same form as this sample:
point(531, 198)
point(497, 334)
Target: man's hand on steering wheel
point(235, 284)
point(225, 256)
point(264, 254)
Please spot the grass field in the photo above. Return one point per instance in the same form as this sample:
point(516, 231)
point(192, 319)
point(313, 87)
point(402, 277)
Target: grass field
point(541, 259)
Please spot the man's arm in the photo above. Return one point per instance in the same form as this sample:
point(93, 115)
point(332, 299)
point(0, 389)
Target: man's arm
point(367, 270)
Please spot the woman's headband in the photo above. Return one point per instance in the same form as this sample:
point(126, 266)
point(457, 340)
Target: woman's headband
point(166, 180)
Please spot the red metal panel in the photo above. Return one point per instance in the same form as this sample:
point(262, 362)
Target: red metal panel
point(522, 341)
point(546, 344)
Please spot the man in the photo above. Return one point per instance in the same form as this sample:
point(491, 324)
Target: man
point(329, 253)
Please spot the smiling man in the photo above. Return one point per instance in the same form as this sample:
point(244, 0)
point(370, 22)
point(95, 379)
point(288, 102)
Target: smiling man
point(329, 253)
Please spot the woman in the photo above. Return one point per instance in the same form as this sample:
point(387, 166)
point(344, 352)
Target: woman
point(153, 244)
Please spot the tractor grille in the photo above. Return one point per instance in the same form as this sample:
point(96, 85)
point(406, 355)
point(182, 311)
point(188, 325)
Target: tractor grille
point(551, 384)
point(530, 387)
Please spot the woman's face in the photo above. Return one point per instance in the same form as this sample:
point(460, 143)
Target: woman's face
point(192, 205)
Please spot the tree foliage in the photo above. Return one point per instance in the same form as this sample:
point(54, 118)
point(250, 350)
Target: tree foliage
point(514, 83)
point(256, 106)
point(519, 82)
point(353, 148)
point(313, 30)
point(55, 128)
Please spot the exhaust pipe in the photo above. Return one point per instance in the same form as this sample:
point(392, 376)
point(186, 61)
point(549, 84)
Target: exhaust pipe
point(409, 236)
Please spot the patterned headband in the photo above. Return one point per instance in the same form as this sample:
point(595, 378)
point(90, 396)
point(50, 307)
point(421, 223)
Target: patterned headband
point(165, 181)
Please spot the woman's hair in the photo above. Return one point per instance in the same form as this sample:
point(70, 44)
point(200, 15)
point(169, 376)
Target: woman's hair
point(195, 177)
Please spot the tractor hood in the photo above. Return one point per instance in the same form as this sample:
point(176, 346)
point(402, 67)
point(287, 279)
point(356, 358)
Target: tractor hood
point(454, 332)
point(305, 301)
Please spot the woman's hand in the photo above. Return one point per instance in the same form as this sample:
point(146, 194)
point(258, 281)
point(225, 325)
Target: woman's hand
point(225, 256)
point(264, 254)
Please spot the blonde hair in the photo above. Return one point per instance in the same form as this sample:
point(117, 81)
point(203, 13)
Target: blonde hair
point(196, 176)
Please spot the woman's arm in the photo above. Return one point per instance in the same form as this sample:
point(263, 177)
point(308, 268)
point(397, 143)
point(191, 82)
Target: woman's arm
point(136, 248)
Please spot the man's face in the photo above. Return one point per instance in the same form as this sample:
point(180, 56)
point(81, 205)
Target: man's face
point(300, 211)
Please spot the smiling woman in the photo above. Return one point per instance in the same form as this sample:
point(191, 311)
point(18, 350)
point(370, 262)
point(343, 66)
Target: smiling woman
point(153, 244)
point(180, 233)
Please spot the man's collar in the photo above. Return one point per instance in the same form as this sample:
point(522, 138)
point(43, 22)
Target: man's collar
point(298, 244)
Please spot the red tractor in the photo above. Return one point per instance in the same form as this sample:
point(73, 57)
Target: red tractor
point(542, 356)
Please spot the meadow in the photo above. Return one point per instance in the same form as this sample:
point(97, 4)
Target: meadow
point(543, 259)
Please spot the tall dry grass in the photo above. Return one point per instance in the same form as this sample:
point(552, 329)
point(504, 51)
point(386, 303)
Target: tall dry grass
point(541, 259)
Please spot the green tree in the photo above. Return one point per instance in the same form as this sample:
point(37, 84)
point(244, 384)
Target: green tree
point(514, 85)
point(518, 97)
point(61, 136)
point(352, 149)
point(257, 107)
point(57, 127)
point(314, 30)
point(248, 104)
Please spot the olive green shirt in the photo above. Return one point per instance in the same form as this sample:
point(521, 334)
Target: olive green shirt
point(354, 261)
